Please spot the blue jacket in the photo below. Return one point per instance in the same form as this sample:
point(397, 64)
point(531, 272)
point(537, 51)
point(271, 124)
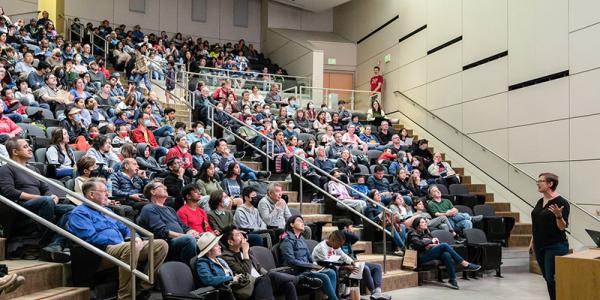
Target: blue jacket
point(324, 164)
point(373, 211)
point(382, 185)
point(294, 250)
point(211, 274)
point(123, 186)
point(95, 227)
point(363, 188)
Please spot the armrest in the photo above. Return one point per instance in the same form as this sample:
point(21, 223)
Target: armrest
point(282, 270)
point(171, 296)
point(359, 252)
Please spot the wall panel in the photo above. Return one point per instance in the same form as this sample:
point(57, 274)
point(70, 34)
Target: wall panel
point(544, 142)
point(484, 29)
point(486, 113)
point(487, 79)
point(539, 103)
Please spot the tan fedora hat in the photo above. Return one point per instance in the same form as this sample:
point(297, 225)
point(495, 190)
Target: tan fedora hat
point(206, 241)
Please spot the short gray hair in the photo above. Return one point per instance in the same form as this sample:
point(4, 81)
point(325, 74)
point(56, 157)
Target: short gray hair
point(91, 184)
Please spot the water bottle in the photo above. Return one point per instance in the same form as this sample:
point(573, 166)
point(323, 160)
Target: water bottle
point(109, 187)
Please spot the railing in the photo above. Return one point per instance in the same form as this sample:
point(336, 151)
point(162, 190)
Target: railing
point(509, 176)
point(69, 30)
point(298, 80)
point(297, 163)
point(104, 45)
point(132, 266)
point(331, 97)
point(240, 83)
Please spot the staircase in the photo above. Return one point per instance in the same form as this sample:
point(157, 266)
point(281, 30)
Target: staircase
point(521, 234)
point(43, 280)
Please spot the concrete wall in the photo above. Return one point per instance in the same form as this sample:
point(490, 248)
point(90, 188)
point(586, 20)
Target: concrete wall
point(288, 17)
point(544, 127)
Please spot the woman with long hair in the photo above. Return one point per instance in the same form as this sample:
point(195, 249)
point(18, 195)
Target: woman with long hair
point(375, 114)
point(320, 124)
point(232, 183)
point(59, 156)
point(208, 181)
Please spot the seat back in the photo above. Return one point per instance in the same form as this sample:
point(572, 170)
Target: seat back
point(373, 155)
point(277, 255)
point(55, 191)
point(32, 130)
point(70, 184)
point(443, 189)
point(40, 155)
point(305, 137)
point(464, 209)
point(475, 236)
point(311, 245)
point(78, 154)
point(444, 236)
point(49, 131)
point(458, 189)
point(364, 170)
point(264, 256)
point(485, 210)
point(175, 277)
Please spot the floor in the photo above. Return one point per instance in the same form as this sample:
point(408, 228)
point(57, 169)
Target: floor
point(517, 282)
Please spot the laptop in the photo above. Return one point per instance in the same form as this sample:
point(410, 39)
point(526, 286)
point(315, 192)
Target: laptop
point(595, 235)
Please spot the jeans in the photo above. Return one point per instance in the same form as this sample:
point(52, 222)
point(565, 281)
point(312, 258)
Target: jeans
point(163, 131)
point(209, 147)
point(399, 237)
point(545, 259)
point(247, 173)
point(445, 253)
point(460, 221)
point(58, 214)
point(182, 248)
point(17, 118)
point(139, 77)
point(372, 276)
point(329, 281)
point(160, 152)
point(42, 105)
point(158, 75)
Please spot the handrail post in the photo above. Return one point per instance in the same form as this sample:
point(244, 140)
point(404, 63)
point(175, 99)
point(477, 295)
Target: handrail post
point(92, 42)
point(211, 117)
point(384, 242)
point(133, 254)
point(301, 195)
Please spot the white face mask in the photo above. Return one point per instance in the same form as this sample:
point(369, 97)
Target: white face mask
point(267, 112)
point(227, 202)
point(248, 122)
point(311, 106)
point(291, 125)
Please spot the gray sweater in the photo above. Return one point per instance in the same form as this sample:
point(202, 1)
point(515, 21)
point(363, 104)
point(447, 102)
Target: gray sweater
point(248, 218)
point(272, 215)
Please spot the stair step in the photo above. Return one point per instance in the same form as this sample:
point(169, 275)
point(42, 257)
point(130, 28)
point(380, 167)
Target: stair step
point(317, 217)
point(393, 262)
point(327, 230)
point(308, 208)
point(363, 245)
point(459, 170)
point(39, 276)
point(285, 185)
point(476, 187)
point(489, 197)
point(500, 206)
point(292, 196)
point(465, 179)
point(519, 240)
point(60, 293)
point(254, 165)
point(509, 214)
point(2, 248)
point(399, 279)
point(522, 228)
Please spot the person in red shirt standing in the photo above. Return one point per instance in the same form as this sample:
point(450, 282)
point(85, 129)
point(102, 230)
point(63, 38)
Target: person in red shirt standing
point(191, 214)
point(376, 84)
point(141, 134)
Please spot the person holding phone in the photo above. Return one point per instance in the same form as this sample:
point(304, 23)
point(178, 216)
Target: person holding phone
point(550, 219)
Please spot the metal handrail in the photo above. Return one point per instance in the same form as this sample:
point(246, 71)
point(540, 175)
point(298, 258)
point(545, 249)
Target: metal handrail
point(484, 148)
point(68, 25)
point(224, 77)
point(190, 103)
point(133, 228)
point(352, 210)
point(322, 89)
point(97, 36)
point(216, 70)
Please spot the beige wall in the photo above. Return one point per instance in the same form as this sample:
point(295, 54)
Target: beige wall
point(288, 17)
point(174, 16)
point(544, 127)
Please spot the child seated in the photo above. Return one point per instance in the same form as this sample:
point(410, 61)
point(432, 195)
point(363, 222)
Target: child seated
point(360, 186)
point(386, 156)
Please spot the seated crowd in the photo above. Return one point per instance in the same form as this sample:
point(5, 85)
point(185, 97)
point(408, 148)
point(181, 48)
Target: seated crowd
point(120, 148)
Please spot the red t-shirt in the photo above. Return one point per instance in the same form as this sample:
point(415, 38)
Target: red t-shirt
point(186, 159)
point(195, 219)
point(375, 80)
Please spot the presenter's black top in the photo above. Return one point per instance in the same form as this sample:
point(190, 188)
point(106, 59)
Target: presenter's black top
point(545, 230)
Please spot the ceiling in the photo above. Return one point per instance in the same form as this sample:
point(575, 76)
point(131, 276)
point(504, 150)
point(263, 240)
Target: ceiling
point(313, 5)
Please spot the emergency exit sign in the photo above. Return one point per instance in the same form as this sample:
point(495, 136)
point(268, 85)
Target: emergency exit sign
point(387, 58)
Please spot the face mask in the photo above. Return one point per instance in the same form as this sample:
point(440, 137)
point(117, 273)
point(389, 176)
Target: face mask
point(267, 112)
point(95, 173)
point(78, 118)
point(147, 123)
point(226, 202)
point(219, 108)
point(404, 159)
point(123, 134)
point(93, 135)
point(247, 111)
point(248, 122)
point(291, 125)
point(293, 104)
point(200, 130)
point(311, 106)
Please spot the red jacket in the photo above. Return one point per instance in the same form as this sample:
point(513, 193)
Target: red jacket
point(7, 126)
point(195, 219)
point(186, 159)
point(137, 136)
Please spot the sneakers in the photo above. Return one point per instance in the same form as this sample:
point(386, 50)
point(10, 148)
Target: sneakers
point(55, 253)
point(453, 284)
point(263, 175)
point(399, 252)
point(11, 282)
point(239, 155)
point(472, 267)
point(380, 296)
point(310, 283)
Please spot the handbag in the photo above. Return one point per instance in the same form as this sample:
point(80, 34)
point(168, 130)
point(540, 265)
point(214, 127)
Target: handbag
point(244, 287)
point(410, 259)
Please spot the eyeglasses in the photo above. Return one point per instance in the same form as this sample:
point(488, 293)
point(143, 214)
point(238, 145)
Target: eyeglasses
point(540, 181)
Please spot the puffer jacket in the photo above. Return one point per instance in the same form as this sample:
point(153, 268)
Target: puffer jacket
point(123, 186)
point(147, 163)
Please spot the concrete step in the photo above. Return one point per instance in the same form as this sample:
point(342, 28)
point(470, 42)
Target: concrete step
point(327, 230)
point(509, 214)
point(60, 293)
point(363, 245)
point(317, 217)
point(522, 228)
point(519, 240)
point(399, 279)
point(459, 170)
point(308, 208)
point(285, 185)
point(489, 197)
point(39, 276)
point(476, 187)
point(500, 206)
point(465, 179)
